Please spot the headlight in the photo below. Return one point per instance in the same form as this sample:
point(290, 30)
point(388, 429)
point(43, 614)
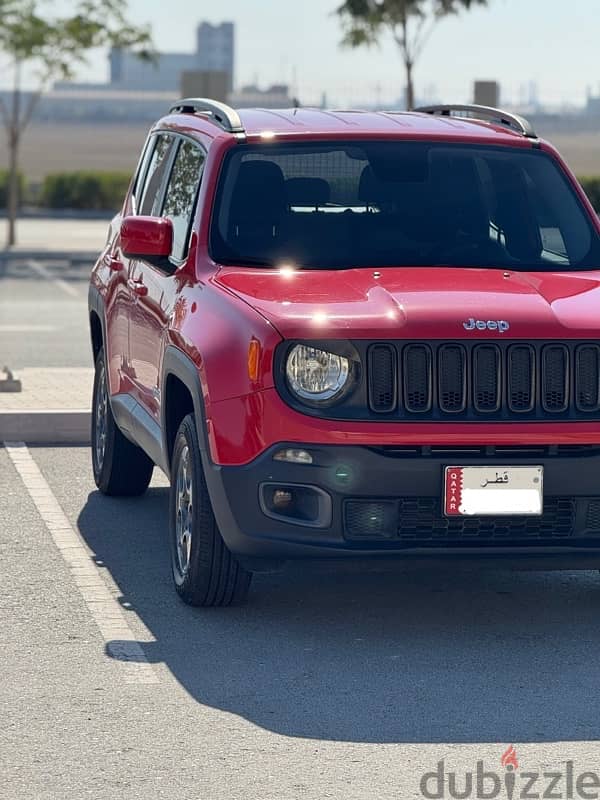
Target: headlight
point(315, 374)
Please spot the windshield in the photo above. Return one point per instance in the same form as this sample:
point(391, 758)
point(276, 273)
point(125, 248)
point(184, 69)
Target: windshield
point(337, 205)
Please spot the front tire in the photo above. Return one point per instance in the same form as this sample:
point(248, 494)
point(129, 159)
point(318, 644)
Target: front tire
point(120, 467)
point(204, 570)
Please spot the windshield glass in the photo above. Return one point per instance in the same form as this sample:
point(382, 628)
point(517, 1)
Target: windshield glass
point(365, 204)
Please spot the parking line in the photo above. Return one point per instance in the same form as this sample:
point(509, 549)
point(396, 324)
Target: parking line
point(41, 270)
point(104, 608)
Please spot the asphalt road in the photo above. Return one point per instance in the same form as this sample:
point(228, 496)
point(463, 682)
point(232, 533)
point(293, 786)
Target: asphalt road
point(334, 681)
point(43, 315)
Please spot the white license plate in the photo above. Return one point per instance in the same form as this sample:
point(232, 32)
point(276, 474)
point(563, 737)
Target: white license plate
point(486, 491)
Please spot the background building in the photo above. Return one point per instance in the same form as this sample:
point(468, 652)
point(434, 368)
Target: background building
point(215, 46)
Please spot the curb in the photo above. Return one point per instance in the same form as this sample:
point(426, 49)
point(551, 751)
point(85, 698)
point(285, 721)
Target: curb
point(50, 426)
point(73, 256)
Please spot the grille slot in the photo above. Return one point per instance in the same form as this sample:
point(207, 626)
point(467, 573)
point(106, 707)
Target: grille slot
point(486, 378)
point(417, 378)
point(382, 378)
point(555, 375)
point(452, 376)
point(521, 373)
point(587, 377)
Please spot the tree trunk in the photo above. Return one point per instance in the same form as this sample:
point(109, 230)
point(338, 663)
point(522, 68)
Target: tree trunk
point(410, 89)
point(14, 137)
point(13, 190)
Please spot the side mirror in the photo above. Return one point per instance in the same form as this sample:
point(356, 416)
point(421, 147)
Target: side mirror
point(149, 239)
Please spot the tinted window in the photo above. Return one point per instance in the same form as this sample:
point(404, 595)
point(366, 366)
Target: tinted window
point(400, 204)
point(151, 194)
point(180, 199)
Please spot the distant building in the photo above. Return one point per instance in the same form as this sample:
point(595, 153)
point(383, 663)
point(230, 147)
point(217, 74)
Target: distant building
point(205, 83)
point(486, 93)
point(130, 73)
point(593, 105)
point(215, 45)
point(276, 96)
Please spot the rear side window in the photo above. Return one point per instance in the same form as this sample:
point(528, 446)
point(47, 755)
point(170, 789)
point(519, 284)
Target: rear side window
point(182, 191)
point(151, 194)
point(401, 203)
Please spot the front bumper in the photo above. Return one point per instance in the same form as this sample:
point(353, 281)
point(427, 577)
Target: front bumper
point(404, 485)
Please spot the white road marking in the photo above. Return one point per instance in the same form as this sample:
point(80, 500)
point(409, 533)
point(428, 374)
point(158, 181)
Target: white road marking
point(104, 608)
point(41, 270)
point(27, 328)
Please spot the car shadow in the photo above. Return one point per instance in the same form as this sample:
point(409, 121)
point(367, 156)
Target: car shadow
point(367, 651)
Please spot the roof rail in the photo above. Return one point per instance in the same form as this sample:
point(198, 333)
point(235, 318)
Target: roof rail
point(225, 116)
point(513, 121)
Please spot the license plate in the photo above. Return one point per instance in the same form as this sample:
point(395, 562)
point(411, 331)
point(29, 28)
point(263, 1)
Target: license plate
point(487, 491)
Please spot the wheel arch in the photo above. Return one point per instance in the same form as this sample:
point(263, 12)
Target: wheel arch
point(97, 320)
point(182, 394)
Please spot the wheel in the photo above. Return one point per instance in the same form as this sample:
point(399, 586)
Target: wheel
point(120, 467)
point(204, 571)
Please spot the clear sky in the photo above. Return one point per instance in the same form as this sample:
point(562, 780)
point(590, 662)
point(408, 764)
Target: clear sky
point(552, 44)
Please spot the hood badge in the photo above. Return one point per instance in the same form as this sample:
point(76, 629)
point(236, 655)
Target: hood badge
point(500, 325)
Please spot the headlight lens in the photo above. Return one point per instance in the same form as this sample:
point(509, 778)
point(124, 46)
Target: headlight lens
point(315, 374)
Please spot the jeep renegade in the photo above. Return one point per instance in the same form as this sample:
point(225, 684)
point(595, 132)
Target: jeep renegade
point(346, 333)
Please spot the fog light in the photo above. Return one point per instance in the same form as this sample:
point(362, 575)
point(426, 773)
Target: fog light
point(281, 499)
point(298, 503)
point(293, 456)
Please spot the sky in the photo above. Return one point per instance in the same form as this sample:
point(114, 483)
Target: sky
point(546, 47)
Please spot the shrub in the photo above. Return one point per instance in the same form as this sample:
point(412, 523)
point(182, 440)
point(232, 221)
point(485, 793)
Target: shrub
point(90, 190)
point(4, 187)
point(591, 187)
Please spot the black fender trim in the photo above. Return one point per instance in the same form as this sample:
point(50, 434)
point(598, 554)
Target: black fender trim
point(96, 304)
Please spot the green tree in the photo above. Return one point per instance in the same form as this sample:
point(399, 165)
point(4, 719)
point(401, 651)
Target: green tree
point(49, 47)
point(410, 22)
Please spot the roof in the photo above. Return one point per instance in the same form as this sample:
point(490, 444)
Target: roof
point(312, 122)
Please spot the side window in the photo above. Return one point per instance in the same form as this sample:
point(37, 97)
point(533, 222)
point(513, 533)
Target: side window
point(138, 183)
point(151, 195)
point(180, 199)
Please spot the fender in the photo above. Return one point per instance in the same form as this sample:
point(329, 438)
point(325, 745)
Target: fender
point(177, 363)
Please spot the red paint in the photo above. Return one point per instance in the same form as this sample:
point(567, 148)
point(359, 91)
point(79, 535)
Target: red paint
point(213, 313)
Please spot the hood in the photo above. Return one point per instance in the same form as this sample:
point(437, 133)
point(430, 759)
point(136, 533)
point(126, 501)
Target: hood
point(421, 302)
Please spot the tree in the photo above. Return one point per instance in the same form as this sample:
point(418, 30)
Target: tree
point(410, 23)
point(50, 47)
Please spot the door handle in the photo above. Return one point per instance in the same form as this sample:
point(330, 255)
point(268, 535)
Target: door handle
point(137, 287)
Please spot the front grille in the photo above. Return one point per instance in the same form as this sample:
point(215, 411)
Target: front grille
point(483, 381)
point(419, 521)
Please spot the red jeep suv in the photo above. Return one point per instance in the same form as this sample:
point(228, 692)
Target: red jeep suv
point(345, 333)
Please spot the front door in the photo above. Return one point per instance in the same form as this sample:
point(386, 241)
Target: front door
point(155, 290)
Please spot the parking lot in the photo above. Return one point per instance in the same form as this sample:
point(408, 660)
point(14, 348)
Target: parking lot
point(342, 680)
point(365, 673)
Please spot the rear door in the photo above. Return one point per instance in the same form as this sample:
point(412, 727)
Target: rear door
point(155, 288)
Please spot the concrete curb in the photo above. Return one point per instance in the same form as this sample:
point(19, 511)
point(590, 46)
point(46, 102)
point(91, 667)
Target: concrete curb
point(72, 256)
point(60, 426)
